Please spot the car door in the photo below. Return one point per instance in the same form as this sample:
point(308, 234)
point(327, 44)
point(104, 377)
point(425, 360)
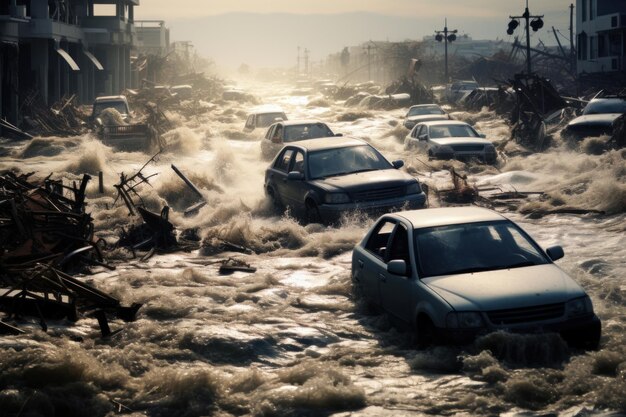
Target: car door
point(398, 293)
point(370, 259)
point(295, 190)
point(278, 175)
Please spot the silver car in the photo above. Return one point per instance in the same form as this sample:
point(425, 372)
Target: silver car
point(456, 273)
point(450, 139)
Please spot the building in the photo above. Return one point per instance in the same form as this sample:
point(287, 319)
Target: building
point(59, 48)
point(153, 37)
point(601, 36)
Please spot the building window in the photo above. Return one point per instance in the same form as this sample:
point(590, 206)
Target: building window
point(593, 47)
point(584, 10)
point(602, 49)
point(592, 9)
point(582, 46)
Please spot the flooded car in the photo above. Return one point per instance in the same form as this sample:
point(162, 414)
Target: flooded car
point(597, 118)
point(424, 113)
point(324, 178)
point(264, 117)
point(284, 132)
point(450, 140)
point(119, 103)
point(456, 273)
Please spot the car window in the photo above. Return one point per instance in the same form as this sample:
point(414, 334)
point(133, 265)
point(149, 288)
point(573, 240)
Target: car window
point(250, 121)
point(616, 105)
point(420, 131)
point(120, 106)
point(307, 131)
point(268, 134)
point(344, 161)
point(282, 163)
point(278, 132)
point(474, 247)
point(377, 243)
point(266, 119)
point(399, 248)
point(421, 111)
point(298, 162)
point(452, 131)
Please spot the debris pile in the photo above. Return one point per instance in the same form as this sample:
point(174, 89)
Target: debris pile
point(45, 223)
point(63, 118)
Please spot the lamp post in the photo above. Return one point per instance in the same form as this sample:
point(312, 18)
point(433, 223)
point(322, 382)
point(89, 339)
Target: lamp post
point(536, 24)
point(448, 36)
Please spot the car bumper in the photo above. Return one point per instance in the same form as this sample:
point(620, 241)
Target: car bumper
point(331, 212)
point(582, 332)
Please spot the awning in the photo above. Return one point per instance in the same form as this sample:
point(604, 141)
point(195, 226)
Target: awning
point(93, 59)
point(70, 61)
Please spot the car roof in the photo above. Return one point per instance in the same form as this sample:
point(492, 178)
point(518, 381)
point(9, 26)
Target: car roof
point(424, 105)
point(333, 142)
point(109, 98)
point(300, 122)
point(448, 215)
point(268, 108)
point(444, 122)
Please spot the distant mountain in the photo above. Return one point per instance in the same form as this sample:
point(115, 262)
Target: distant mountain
point(271, 40)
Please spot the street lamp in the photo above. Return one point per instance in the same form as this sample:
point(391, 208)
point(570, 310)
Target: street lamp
point(448, 36)
point(536, 24)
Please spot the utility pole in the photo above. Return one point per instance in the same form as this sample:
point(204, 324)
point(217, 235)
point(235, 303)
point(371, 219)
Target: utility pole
point(306, 60)
point(536, 24)
point(298, 73)
point(446, 38)
point(572, 52)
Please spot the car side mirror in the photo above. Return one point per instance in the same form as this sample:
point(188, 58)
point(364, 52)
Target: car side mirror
point(482, 135)
point(423, 137)
point(398, 164)
point(276, 139)
point(295, 176)
point(555, 252)
point(338, 134)
point(397, 267)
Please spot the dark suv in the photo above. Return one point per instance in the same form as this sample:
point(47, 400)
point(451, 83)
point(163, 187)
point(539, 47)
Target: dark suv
point(322, 178)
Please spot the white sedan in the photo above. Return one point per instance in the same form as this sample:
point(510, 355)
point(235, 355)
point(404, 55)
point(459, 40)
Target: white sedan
point(450, 139)
point(456, 273)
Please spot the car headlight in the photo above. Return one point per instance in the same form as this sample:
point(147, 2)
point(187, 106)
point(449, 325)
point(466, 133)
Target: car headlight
point(414, 188)
point(336, 198)
point(579, 307)
point(464, 320)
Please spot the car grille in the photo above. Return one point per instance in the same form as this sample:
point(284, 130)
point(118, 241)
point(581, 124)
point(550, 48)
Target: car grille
point(378, 194)
point(527, 314)
point(468, 148)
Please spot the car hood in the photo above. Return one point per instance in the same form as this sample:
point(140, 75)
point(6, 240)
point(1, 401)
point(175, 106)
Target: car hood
point(605, 119)
point(506, 288)
point(363, 181)
point(426, 118)
point(460, 141)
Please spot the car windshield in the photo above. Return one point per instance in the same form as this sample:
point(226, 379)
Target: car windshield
point(307, 131)
point(474, 247)
point(120, 106)
point(420, 111)
point(266, 119)
point(343, 161)
point(616, 105)
point(452, 131)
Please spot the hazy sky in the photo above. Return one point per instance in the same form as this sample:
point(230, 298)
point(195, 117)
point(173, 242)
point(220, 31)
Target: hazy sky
point(419, 8)
point(268, 32)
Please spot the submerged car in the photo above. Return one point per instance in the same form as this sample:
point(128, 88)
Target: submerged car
point(119, 103)
point(264, 117)
point(424, 113)
point(456, 273)
point(450, 140)
point(597, 118)
point(280, 133)
point(321, 179)
point(459, 89)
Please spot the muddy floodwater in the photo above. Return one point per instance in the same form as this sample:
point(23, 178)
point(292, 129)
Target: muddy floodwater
point(291, 339)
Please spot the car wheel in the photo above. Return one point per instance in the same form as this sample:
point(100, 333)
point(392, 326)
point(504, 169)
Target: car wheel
point(312, 212)
point(425, 332)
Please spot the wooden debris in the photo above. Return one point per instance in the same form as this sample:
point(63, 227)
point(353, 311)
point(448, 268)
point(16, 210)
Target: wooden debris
point(230, 265)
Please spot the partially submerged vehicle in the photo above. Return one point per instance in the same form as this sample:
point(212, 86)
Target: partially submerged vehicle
point(284, 132)
point(324, 178)
point(450, 139)
point(111, 117)
point(424, 113)
point(264, 117)
point(456, 273)
point(597, 119)
point(459, 89)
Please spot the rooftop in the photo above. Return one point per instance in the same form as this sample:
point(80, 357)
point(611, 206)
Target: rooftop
point(448, 215)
